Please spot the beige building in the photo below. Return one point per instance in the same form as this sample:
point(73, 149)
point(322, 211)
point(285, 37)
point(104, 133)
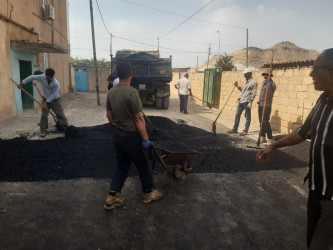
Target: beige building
point(34, 36)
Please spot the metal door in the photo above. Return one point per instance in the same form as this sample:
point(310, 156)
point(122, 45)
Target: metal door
point(81, 83)
point(209, 86)
point(25, 71)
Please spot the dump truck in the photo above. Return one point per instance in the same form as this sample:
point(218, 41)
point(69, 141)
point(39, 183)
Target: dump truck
point(151, 75)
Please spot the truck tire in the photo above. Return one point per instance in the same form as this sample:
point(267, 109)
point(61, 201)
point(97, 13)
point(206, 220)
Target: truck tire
point(166, 102)
point(159, 103)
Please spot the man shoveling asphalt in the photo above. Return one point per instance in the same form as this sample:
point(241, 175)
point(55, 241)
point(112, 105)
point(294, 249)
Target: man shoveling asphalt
point(51, 98)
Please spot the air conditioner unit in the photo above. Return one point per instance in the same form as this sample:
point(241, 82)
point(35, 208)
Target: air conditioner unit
point(48, 12)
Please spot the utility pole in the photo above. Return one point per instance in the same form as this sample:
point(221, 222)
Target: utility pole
point(247, 47)
point(209, 48)
point(197, 63)
point(94, 49)
point(110, 47)
point(219, 43)
point(158, 44)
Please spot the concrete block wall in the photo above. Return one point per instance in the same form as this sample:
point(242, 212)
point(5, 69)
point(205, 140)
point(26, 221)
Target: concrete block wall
point(103, 73)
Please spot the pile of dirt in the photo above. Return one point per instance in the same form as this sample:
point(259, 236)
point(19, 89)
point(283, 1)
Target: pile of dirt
point(92, 153)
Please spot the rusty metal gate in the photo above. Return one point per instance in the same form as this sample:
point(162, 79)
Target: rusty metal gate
point(209, 86)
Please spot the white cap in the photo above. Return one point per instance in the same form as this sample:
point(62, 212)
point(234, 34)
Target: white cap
point(247, 70)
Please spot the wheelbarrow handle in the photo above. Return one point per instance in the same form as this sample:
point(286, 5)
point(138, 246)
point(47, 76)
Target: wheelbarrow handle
point(158, 155)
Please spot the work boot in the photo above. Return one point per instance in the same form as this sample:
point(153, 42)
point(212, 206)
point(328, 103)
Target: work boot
point(232, 131)
point(263, 139)
point(243, 133)
point(42, 133)
point(154, 195)
point(114, 201)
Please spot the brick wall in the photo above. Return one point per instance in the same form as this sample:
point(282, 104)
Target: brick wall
point(293, 100)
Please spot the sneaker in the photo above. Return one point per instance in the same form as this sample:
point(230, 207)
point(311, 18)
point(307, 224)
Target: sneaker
point(154, 195)
point(114, 201)
point(263, 139)
point(185, 113)
point(232, 132)
point(243, 133)
point(42, 133)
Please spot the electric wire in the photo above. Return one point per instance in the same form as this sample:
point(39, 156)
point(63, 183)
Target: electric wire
point(211, 1)
point(100, 13)
point(198, 19)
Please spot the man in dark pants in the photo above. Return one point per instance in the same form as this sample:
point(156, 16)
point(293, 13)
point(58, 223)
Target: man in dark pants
point(184, 90)
point(51, 97)
point(270, 86)
point(130, 138)
point(318, 125)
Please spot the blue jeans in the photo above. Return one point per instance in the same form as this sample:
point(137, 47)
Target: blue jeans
point(129, 149)
point(240, 108)
point(183, 103)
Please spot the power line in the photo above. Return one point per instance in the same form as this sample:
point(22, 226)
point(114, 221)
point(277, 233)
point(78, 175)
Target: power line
point(189, 17)
point(156, 46)
point(100, 13)
point(175, 14)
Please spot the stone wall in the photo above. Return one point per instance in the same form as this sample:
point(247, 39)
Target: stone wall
point(293, 100)
point(103, 73)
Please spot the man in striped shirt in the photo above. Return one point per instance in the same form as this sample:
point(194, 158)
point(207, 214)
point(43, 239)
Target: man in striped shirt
point(319, 126)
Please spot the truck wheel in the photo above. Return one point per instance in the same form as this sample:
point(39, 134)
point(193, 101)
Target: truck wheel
point(159, 102)
point(166, 102)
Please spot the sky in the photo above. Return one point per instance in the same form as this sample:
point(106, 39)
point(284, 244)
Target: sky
point(186, 29)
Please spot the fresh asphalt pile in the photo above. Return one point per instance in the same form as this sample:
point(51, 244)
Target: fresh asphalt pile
point(92, 154)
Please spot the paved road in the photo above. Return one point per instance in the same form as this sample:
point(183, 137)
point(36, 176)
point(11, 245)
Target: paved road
point(228, 201)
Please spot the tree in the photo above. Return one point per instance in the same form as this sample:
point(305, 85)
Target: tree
point(224, 63)
point(89, 62)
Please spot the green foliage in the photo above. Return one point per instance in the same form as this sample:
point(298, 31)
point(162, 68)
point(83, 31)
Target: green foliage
point(89, 62)
point(224, 63)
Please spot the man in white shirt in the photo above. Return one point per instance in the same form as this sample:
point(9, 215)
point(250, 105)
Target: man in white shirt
point(51, 98)
point(115, 82)
point(184, 90)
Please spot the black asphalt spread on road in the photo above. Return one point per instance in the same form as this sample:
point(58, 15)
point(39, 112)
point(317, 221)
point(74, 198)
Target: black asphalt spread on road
point(92, 154)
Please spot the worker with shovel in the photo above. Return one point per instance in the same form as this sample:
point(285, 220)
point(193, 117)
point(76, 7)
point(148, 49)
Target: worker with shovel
point(248, 93)
point(51, 98)
point(319, 127)
point(130, 139)
point(265, 106)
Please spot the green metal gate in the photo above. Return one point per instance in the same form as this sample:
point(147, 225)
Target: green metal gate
point(209, 86)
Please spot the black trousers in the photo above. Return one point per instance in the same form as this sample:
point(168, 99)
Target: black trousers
point(183, 103)
point(129, 149)
point(266, 126)
point(320, 222)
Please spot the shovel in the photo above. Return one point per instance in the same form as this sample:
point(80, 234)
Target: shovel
point(70, 131)
point(208, 104)
point(214, 123)
point(55, 118)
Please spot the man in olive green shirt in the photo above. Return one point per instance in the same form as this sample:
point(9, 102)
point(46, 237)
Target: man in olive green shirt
point(130, 138)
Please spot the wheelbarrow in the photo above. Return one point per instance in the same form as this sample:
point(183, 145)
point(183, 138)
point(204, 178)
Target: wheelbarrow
point(176, 164)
